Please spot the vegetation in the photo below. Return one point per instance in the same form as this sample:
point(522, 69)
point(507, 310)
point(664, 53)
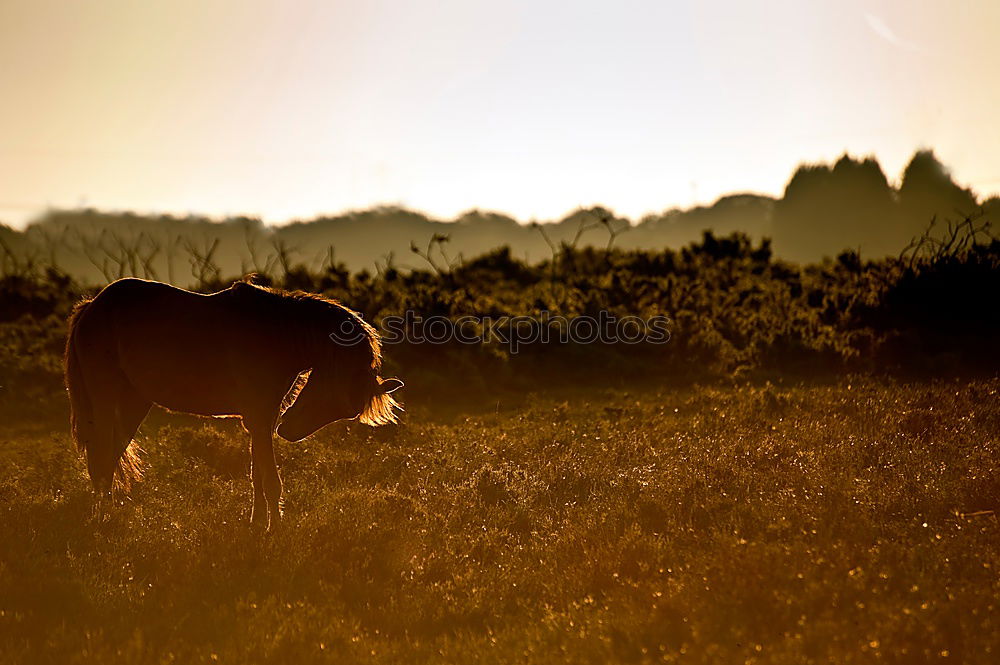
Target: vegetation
point(735, 311)
point(824, 209)
point(793, 478)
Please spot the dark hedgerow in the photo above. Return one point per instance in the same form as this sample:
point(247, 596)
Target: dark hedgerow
point(733, 309)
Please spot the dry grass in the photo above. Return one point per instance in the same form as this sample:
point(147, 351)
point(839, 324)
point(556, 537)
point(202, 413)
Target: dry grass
point(802, 525)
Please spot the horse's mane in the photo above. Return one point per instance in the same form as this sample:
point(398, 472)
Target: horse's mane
point(323, 306)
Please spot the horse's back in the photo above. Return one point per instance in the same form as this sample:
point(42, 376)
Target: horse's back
point(132, 291)
point(131, 314)
point(173, 346)
point(133, 303)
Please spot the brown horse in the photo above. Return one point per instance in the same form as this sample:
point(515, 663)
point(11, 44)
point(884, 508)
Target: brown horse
point(245, 352)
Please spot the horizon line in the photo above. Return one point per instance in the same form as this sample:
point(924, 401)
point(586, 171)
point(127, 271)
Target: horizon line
point(39, 213)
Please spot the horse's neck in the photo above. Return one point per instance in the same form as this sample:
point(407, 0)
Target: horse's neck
point(299, 339)
point(309, 344)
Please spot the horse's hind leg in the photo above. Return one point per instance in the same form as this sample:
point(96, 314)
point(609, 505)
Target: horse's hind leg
point(102, 460)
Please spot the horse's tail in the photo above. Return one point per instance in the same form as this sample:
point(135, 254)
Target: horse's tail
point(80, 407)
point(82, 418)
point(130, 467)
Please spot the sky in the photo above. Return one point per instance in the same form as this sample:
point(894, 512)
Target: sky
point(288, 109)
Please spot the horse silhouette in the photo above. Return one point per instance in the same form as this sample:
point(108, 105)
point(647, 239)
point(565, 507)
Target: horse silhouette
point(285, 362)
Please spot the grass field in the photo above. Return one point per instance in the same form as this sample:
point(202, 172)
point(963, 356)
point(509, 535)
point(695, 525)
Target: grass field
point(835, 523)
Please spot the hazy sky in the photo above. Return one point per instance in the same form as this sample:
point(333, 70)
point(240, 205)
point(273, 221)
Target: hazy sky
point(292, 108)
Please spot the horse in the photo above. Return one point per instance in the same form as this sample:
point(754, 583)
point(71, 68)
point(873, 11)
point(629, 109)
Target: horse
point(285, 363)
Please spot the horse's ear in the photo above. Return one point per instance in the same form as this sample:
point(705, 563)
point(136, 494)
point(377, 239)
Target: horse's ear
point(389, 385)
point(256, 279)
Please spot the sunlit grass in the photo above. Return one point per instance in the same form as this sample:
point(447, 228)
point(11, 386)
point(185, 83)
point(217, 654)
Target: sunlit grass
point(764, 524)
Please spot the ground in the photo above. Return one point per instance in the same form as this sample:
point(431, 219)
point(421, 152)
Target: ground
point(847, 522)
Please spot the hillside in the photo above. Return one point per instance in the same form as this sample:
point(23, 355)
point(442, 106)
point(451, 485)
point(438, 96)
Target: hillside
point(825, 209)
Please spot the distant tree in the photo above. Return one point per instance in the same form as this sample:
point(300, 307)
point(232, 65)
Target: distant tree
point(826, 209)
point(927, 191)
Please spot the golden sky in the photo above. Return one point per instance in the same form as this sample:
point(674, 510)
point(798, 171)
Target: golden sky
point(531, 107)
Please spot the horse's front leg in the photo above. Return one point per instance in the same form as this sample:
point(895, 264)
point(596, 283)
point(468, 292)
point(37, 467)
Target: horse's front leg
point(266, 480)
point(258, 509)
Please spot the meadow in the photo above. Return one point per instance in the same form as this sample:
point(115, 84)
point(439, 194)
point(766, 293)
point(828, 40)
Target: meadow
point(805, 473)
point(810, 523)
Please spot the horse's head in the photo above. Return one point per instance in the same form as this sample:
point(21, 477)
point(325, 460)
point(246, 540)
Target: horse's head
point(328, 398)
point(343, 385)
